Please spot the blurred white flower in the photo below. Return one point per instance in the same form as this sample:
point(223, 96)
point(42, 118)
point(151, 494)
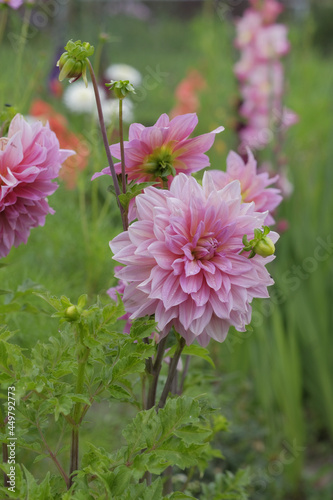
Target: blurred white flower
point(123, 72)
point(111, 111)
point(81, 99)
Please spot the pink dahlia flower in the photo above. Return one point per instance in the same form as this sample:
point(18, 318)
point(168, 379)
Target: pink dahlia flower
point(182, 259)
point(161, 151)
point(254, 185)
point(30, 158)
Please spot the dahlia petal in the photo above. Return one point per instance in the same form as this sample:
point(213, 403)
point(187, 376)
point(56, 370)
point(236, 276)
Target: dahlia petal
point(153, 137)
point(135, 130)
point(190, 312)
point(202, 296)
point(105, 171)
point(191, 268)
point(214, 281)
point(163, 121)
point(173, 294)
point(191, 284)
point(199, 324)
point(140, 231)
point(199, 144)
point(217, 329)
point(181, 127)
point(161, 254)
point(119, 242)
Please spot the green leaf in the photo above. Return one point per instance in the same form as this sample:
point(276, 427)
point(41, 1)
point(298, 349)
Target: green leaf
point(177, 412)
point(112, 312)
point(142, 328)
point(120, 393)
point(3, 354)
point(127, 366)
point(38, 491)
point(121, 477)
point(174, 452)
point(190, 434)
point(178, 495)
point(142, 432)
point(133, 189)
point(141, 491)
point(200, 352)
point(82, 302)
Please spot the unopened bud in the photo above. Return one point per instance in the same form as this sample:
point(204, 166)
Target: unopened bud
point(121, 88)
point(265, 247)
point(73, 63)
point(72, 313)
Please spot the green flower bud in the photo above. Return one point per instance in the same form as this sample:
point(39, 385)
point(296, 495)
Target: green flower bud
point(72, 313)
point(260, 244)
point(121, 88)
point(265, 247)
point(73, 63)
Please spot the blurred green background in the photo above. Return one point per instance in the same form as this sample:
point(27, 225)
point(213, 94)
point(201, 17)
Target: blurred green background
point(275, 383)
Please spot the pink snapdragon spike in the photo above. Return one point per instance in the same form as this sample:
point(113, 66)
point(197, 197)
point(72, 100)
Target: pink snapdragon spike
point(163, 150)
point(30, 157)
point(262, 42)
point(254, 185)
point(182, 259)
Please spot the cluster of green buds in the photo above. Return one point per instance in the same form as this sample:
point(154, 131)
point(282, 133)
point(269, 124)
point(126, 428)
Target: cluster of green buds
point(261, 244)
point(120, 88)
point(73, 63)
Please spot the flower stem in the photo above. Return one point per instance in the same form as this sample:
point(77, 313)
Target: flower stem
point(122, 153)
point(156, 369)
point(53, 456)
point(3, 21)
point(83, 354)
point(182, 381)
point(106, 145)
point(22, 43)
point(171, 374)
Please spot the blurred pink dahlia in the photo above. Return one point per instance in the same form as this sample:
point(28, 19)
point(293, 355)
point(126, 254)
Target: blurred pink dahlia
point(30, 158)
point(182, 259)
point(14, 4)
point(254, 185)
point(161, 151)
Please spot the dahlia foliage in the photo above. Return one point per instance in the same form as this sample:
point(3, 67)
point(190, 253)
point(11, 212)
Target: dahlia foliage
point(30, 158)
point(183, 259)
point(262, 42)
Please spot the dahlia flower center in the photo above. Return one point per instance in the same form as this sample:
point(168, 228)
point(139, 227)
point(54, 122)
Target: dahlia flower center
point(205, 248)
point(160, 163)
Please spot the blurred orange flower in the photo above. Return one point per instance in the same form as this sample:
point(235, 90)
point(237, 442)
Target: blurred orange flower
point(186, 93)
